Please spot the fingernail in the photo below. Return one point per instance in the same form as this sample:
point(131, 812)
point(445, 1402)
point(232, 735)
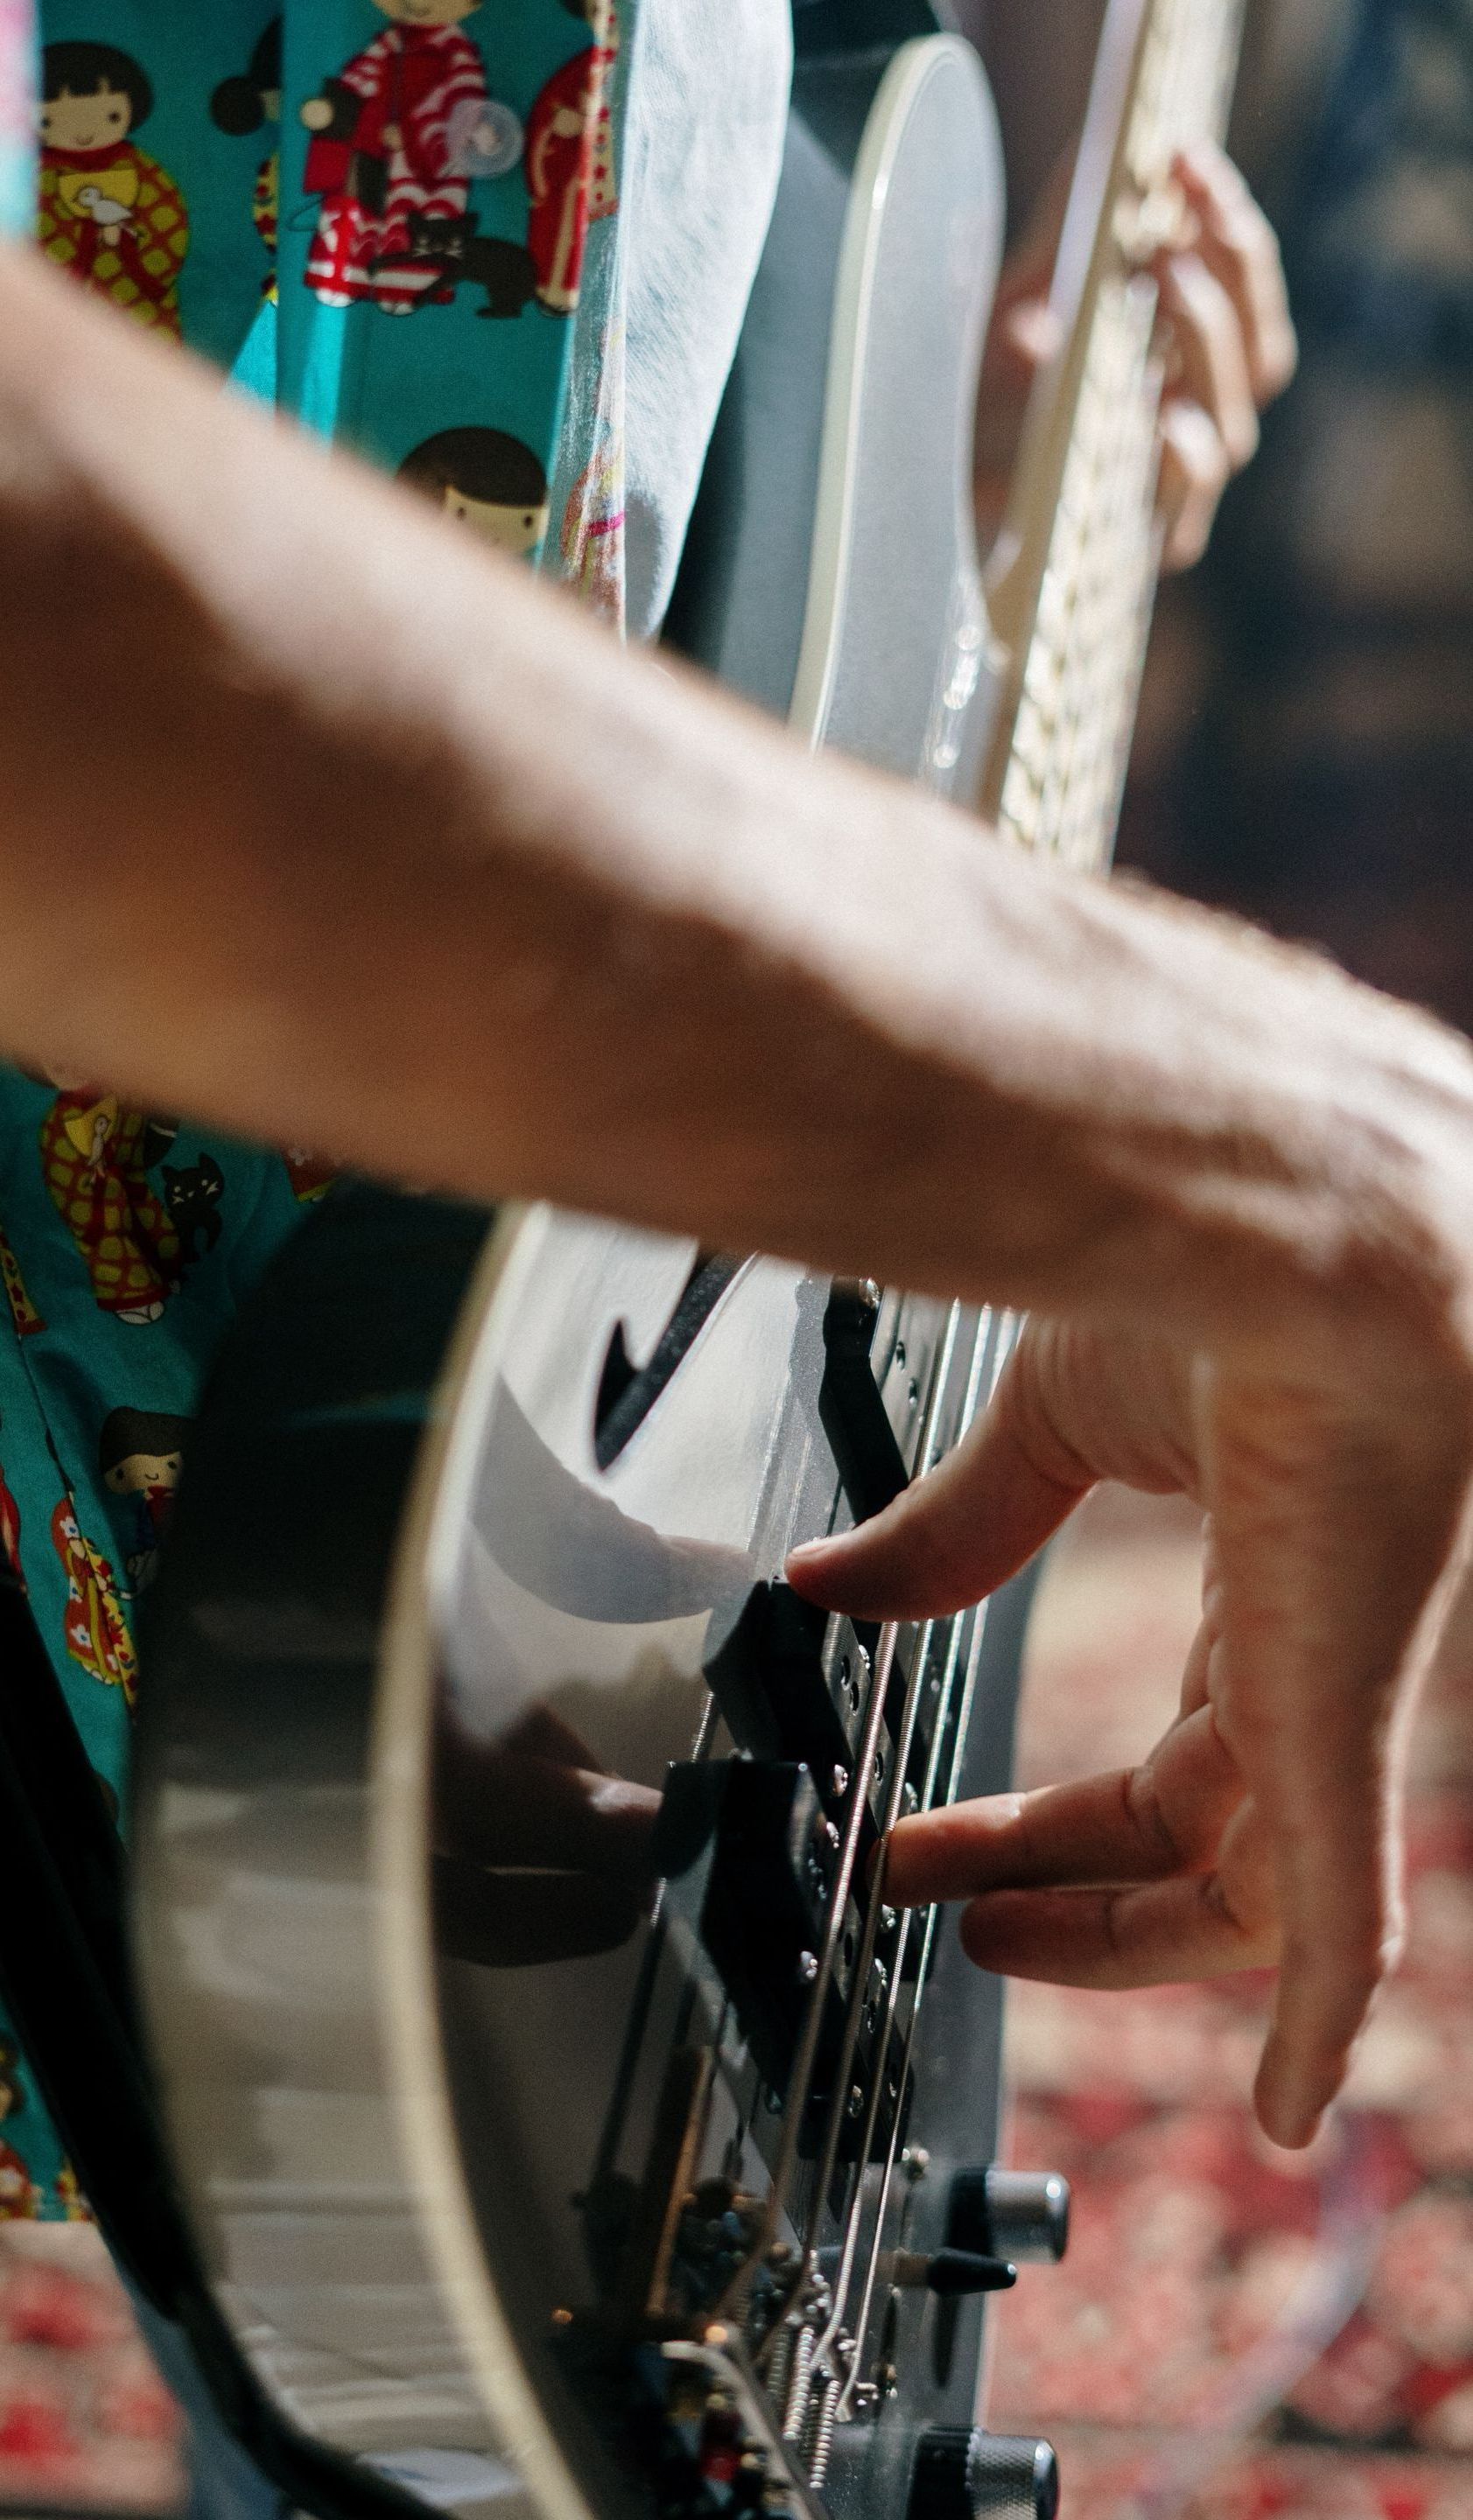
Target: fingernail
point(1288, 2118)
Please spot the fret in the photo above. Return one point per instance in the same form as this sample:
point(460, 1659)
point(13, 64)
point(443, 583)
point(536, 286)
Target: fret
point(1071, 579)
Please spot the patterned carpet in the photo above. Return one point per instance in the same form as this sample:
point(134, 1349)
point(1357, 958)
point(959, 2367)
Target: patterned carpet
point(84, 2422)
point(1236, 2334)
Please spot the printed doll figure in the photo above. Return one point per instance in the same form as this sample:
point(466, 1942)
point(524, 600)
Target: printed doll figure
point(491, 482)
point(311, 1176)
point(396, 137)
point(193, 1193)
point(109, 215)
point(20, 2197)
point(68, 2196)
point(240, 106)
point(450, 251)
point(97, 1631)
point(140, 1458)
point(570, 160)
point(23, 1312)
point(266, 211)
point(93, 1154)
point(10, 1530)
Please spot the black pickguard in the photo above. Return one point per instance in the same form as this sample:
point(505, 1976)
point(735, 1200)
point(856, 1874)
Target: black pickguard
point(627, 1393)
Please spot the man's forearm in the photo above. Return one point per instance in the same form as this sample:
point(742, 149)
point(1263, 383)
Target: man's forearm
point(320, 823)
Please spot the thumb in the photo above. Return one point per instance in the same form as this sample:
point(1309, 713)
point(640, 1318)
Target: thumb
point(958, 1533)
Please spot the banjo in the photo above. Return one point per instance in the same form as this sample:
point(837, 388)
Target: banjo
point(565, 2123)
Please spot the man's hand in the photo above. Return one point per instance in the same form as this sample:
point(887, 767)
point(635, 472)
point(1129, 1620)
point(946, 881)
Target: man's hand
point(1230, 347)
point(1265, 1826)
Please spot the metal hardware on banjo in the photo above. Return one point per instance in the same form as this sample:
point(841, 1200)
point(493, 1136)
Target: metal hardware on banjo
point(557, 2182)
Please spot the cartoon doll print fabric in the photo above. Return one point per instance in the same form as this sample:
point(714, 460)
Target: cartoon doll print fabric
point(394, 136)
point(93, 1156)
point(268, 185)
point(109, 211)
point(442, 160)
point(570, 162)
point(125, 1244)
point(20, 2196)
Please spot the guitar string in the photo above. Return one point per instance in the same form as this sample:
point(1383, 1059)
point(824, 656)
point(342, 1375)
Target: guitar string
point(735, 2291)
point(782, 2173)
point(890, 1805)
point(1007, 1331)
point(1007, 1328)
point(799, 2086)
point(930, 1926)
point(994, 1340)
point(860, 1986)
point(1147, 387)
point(844, 2273)
point(993, 1349)
point(894, 1801)
point(927, 1452)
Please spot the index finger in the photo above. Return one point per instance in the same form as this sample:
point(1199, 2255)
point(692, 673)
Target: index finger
point(954, 1536)
point(1140, 1823)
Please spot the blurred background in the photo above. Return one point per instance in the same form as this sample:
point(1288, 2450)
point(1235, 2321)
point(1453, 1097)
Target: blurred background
point(1235, 2334)
point(1305, 729)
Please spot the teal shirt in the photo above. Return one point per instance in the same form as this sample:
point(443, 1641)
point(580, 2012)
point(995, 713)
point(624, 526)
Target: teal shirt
point(434, 179)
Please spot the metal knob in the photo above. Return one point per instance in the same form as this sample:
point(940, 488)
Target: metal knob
point(1016, 2214)
point(952, 2273)
point(962, 2475)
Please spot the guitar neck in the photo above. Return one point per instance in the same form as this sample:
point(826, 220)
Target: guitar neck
point(1071, 579)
